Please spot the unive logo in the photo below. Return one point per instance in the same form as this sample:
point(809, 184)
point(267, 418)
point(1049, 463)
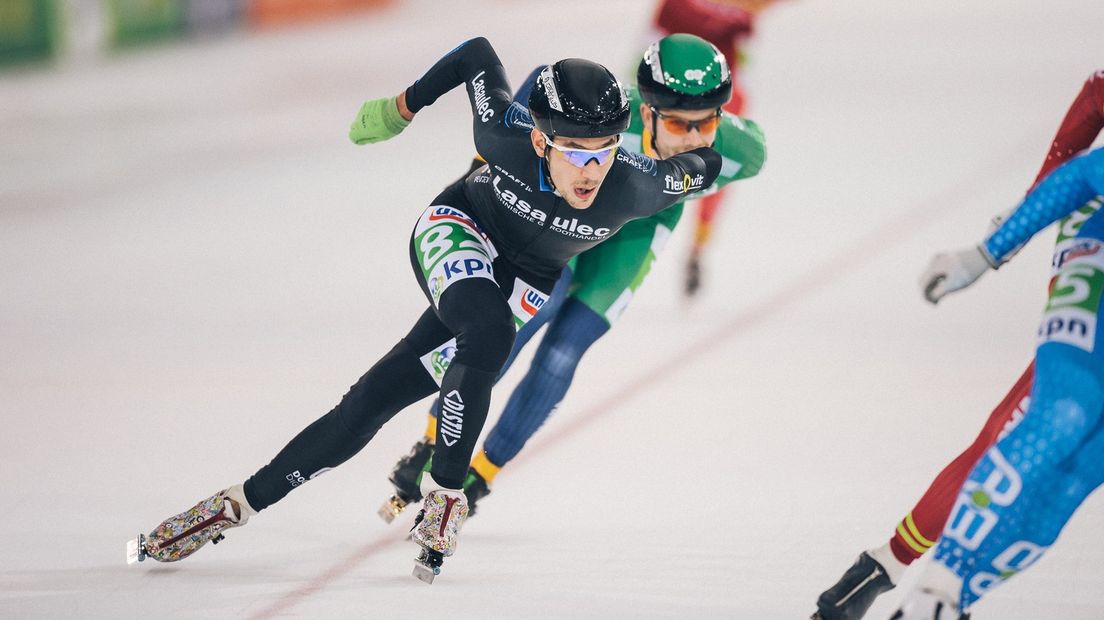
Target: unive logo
point(694, 74)
point(531, 302)
point(480, 99)
point(452, 417)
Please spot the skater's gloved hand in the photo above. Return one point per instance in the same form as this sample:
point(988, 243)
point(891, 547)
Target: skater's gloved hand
point(377, 120)
point(949, 272)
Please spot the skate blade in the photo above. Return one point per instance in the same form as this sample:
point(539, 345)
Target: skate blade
point(136, 549)
point(391, 509)
point(425, 573)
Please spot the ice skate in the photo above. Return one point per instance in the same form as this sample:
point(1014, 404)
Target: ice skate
point(928, 605)
point(437, 527)
point(406, 476)
point(855, 592)
point(475, 489)
point(182, 535)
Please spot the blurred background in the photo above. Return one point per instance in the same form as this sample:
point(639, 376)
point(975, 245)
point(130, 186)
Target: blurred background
point(195, 263)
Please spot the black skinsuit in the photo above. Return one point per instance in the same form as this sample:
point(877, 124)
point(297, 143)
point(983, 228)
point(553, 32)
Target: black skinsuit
point(535, 233)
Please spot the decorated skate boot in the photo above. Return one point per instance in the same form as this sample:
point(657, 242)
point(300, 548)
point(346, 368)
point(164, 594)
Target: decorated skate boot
point(927, 604)
point(854, 593)
point(406, 476)
point(182, 535)
point(437, 527)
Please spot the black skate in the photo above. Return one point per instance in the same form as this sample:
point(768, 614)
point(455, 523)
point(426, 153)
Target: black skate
point(855, 592)
point(406, 476)
point(475, 488)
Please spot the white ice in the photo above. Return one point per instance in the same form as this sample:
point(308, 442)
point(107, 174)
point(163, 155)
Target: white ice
point(195, 263)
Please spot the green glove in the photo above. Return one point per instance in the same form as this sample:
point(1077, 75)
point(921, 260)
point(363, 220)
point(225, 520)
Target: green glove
point(378, 120)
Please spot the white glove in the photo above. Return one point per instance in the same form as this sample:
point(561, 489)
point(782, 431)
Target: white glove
point(957, 270)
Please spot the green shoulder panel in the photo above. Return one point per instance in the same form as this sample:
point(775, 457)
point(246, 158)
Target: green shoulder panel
point(742, 147)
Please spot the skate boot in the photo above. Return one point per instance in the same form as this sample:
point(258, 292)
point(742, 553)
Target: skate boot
point(406, 476)
point(182, 535)
point(855, 592)
point(437, 527)
point(475, 489)
point(928, 605)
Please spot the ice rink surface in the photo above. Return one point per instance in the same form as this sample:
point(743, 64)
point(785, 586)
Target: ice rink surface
point(195, 263)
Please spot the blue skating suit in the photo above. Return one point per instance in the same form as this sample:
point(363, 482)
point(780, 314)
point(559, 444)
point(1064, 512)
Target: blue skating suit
point(1025, 488)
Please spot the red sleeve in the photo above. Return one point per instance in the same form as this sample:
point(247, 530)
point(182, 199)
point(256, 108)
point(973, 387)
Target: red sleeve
point(1080, 126)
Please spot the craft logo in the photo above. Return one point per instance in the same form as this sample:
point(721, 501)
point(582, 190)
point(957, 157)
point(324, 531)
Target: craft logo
point(695, 75)
point(480, 99)
point(686, 185)
point(638, 161)
point(452, 417)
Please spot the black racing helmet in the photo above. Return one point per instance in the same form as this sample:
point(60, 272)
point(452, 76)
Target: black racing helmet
point(578, 98)
point(684, 72)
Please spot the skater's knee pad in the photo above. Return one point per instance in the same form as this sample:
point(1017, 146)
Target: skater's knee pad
point(486, 344)
point(574, 331)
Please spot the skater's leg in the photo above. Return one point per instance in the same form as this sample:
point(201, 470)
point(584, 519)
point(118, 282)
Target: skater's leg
point(920, 528)
point(1024, 489)
point(476, 311)
point(878, 570)
point(396, 381)
point(524, 335)
point(570, 334)
point(605, 280)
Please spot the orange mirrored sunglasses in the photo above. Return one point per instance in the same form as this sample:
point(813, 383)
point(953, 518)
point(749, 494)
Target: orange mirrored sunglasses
point(681, 127)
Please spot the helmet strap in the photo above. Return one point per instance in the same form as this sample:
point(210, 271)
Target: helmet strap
point(548, 167)
point(655, 123)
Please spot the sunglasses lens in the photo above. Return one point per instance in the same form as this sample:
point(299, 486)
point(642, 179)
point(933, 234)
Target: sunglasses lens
point(582, 158)
point(709, 124)
point(681, 127)
point(676, 126)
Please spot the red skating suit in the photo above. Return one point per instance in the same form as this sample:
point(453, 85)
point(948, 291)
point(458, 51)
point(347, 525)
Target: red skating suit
point(918, 531)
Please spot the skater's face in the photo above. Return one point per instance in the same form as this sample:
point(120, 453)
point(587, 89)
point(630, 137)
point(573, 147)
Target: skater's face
point(678, 131)
point(577, 166)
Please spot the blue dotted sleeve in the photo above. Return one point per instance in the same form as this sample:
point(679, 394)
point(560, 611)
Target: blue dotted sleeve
point(1065, 189)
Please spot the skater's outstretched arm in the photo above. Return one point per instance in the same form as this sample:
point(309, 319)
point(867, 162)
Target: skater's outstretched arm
point(1059, 194)
point(473, 63)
